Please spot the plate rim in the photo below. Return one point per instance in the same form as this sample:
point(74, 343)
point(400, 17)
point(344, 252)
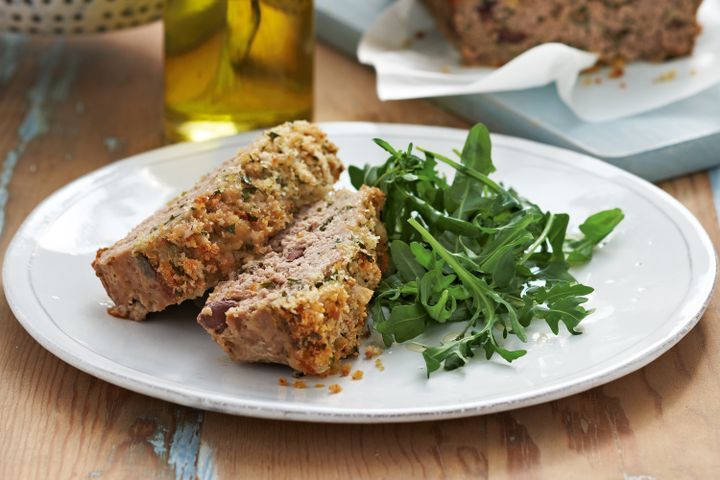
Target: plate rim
point(143, 383)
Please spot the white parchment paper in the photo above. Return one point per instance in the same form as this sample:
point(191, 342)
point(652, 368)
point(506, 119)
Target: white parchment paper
point(418, 65)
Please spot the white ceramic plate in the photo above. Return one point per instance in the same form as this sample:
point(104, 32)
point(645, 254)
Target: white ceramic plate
point(653, 279)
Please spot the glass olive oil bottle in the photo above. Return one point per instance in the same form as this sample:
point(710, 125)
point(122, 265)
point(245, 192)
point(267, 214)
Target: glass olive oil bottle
point(235, 65)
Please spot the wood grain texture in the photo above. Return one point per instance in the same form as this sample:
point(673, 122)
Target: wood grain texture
point(58, 108)
point(68, 109)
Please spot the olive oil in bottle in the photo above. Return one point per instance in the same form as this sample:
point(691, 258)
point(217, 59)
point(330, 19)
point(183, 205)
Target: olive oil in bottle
point(235, 65)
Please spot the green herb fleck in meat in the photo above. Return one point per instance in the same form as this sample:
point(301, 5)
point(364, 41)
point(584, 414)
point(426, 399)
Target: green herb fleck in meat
point(248, 187)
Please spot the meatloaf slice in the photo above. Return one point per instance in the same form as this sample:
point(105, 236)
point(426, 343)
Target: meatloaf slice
point(492, 32)
point(206, 233)
point(304, 304)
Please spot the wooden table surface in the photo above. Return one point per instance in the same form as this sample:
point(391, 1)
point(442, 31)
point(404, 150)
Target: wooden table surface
point(67, 108)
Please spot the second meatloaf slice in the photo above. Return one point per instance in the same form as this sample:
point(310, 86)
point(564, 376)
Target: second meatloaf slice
point(208, 232)
point(304, 304)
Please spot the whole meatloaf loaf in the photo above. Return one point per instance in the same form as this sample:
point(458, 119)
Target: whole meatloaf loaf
point(492, 32)
point(304, 304)
point(206, 233)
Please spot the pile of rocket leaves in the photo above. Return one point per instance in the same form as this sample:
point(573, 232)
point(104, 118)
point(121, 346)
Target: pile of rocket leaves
point(473, 253)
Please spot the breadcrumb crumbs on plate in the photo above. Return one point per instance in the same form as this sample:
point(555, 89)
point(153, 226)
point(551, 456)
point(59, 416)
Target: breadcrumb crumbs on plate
point(299, 384)
point(319, 385)
point(372, 351)
point(617, 69)
point(623, 85)
point(345, 369)
point(358, 375)
point(334, 388)
point(282, 381)
point(616, 72)
point(668, 76)
point(379, 365)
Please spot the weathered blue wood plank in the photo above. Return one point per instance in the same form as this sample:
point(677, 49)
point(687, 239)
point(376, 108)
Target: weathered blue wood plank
point(185, 448)
point(714, 175)
point(33, 124)
point(10, 46)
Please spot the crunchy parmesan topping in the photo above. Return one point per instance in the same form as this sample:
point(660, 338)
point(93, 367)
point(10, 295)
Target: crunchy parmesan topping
point(668, 76)
point(299, 384)
point(334, 388)
point(345, 369)
point(358, 375)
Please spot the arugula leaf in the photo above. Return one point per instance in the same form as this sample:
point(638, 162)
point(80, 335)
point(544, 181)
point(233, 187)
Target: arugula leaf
point(454, 355)
point(510, 355)
point(562, 303)
point(596, 227)
point(476, 151)
point(436, 297)
point(405, 323)
point(357, 176)
point(408, 268)
point(475, 155)
point(556, 236)
point(473, 252)
point(424, 256)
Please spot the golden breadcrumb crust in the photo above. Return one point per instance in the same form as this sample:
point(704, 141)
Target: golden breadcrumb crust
point(205, 234)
